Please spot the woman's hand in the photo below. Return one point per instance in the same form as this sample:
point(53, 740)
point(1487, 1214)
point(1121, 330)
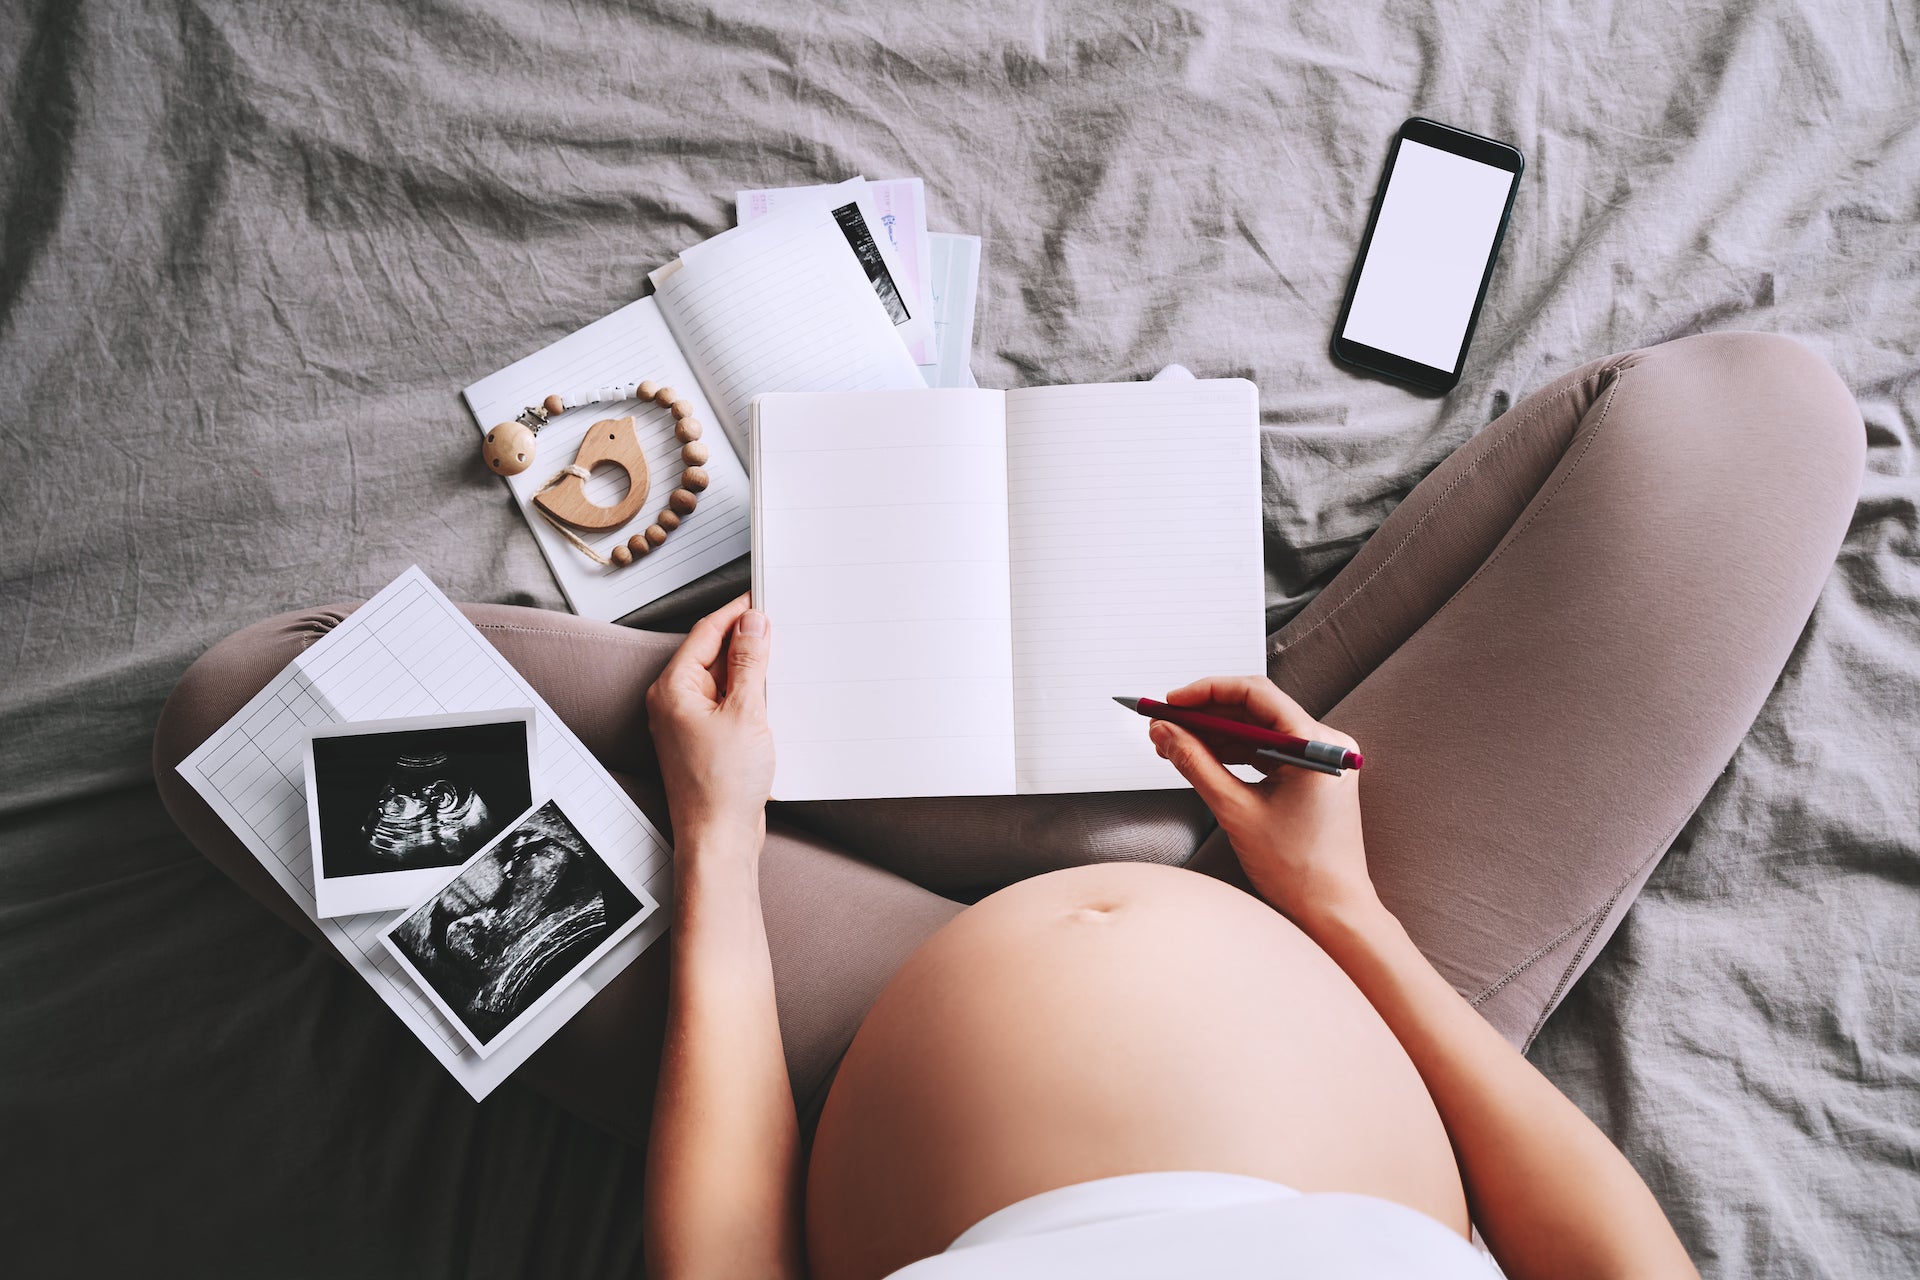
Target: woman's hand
point(723, 1186)
point(1297, 833)
point(708, 715)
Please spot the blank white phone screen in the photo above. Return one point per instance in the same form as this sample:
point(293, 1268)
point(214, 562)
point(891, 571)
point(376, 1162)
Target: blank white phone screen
point(1429, 252)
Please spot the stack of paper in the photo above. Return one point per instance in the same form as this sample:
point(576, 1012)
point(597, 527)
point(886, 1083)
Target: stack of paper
point(943, 271)
point(408, 652)
point(835, 288)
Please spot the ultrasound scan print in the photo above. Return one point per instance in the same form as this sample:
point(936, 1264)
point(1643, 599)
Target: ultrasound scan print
point(427, 815)
point(860, 239)
point(404, 800)
point(516, 922)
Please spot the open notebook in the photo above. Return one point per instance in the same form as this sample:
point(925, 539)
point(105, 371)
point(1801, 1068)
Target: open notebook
point(782, 305)
point(960, 582)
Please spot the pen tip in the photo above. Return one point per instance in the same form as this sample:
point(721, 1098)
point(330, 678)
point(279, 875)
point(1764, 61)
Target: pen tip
point(1131, 704)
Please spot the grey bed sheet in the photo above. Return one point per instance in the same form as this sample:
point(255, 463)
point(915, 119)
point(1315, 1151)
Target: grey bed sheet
point(250, 254)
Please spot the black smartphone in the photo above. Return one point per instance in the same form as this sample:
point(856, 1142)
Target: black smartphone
point(1435, 230)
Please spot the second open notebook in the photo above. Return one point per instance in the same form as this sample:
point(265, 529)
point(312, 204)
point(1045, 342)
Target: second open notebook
point(961, 581)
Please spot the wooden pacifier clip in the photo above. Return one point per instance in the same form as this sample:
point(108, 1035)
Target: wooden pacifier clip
point(509, 449)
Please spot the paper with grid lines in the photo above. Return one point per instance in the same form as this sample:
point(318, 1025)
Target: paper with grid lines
point(410, 652)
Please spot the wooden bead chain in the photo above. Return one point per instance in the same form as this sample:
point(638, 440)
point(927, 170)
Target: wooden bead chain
point(509, 449)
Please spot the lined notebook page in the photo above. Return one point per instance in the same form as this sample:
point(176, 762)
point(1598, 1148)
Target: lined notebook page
point(880, 554)
point(781, 305)
point(630, 345)
point(408, 652)
point(1134, 518)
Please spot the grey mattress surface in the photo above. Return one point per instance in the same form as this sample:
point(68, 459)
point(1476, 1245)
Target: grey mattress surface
point(251, 253)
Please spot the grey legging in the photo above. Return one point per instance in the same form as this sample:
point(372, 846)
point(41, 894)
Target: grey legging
point(1548, 651)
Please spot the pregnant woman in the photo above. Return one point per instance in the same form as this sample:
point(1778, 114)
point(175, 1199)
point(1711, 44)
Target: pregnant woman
point(1305, 1061)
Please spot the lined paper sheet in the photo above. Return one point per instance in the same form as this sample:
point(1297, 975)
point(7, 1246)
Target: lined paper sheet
point(895, 211)
point(1134, 517)
point(880, 554)
point(780, 305)
point(410, 652)
point(630, 345)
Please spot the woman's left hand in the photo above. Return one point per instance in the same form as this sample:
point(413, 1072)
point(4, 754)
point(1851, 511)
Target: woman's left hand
point(708, 716)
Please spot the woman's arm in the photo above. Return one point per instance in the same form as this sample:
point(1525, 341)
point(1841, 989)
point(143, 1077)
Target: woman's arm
point(1551, 1195)
point(723, 1161)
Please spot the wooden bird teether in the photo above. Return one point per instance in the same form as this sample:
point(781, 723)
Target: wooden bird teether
point(562, 501)
point(610, 440)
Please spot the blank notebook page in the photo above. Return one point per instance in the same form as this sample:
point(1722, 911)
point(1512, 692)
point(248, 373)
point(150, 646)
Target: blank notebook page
point(1134, 519)
point(880, 554)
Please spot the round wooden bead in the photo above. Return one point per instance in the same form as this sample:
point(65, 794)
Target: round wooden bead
point(656, 535)
point(668, 519)
point(682, 500)
point(681, 409)
point(687, 430)
point(694, 454)
point(620, 555)
point(664, 395)
point(638, 545)
point(646, 389)
point(694, 478)
point(553, 405)
point(508, 448)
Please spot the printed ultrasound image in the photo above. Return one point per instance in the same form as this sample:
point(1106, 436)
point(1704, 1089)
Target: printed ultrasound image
point(418, 797)
point(515, 923)
point(860, 239)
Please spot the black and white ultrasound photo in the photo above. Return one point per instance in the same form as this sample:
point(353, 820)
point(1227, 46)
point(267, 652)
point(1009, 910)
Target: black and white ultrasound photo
point(853, 225)
point(417, 798)
point(515, 924)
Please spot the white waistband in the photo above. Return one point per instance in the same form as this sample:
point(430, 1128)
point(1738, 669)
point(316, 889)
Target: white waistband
point(1133, 1195)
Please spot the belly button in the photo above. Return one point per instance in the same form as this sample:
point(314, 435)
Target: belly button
point(1094, 911)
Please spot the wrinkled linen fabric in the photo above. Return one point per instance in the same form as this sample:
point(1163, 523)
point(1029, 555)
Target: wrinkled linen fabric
point(251, 253)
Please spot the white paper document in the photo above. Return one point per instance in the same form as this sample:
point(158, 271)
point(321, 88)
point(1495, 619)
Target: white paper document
point(410, 652)
point(961, 582)
point(955, 286)
point(896, 212)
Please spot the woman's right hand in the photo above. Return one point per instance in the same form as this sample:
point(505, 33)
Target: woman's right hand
point(1297, 832)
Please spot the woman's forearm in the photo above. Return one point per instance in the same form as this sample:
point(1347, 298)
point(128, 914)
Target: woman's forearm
point(1550, 1193)
point(723, 1161)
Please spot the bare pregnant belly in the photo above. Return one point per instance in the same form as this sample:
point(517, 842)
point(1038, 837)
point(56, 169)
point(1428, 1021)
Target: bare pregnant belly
point(1106, 1020)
